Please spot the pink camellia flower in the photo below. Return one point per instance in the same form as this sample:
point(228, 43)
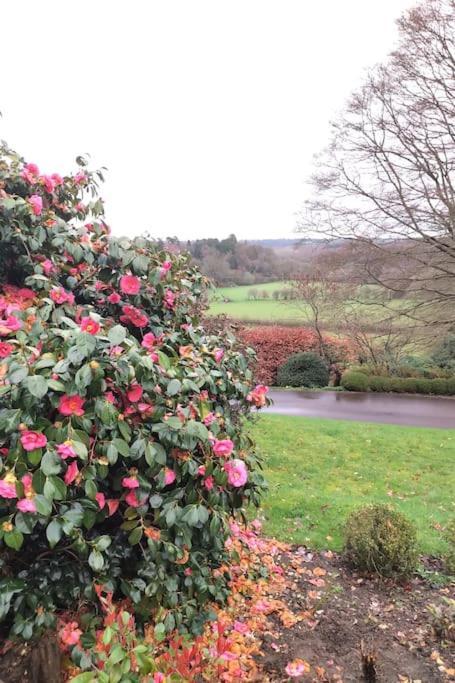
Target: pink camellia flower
point(169, 476)
point(36, 203)
point(71, 473)
point(130, 483)
point(130, 284)
point(61, 296)
point(30, 173)
point(5, 349)
point(26, 505)
point(154, 356)
point(27, 480)
point(149, 341)
point(90, 326)
point(218, 353)
point(112, 505)
point(165, 268)
point(57, 178)
point(116, 351)
point(80, 178)
point(11, 324)
point(7, 489)
point(257, 396)
point(237, 472)
point(134, 393)
point(201, 470)
point(159, 677)
point(132, 499)
point(134, 316)
point(66, 450)
point(100, 499)
point(223, 447)
point(32, 440)
point(47, 266)
point(145, 408)
point(209, 483)
point(208, 419)
point(297, 668)
point(114, 298)
point(109, 396)
point(70, 634)
point(71, 405)
point(169, 299)
point(48, 182)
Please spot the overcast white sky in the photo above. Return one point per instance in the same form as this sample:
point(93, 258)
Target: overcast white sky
point(206, 112)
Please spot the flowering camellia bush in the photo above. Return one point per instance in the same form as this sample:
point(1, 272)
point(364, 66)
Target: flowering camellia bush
point(122, 451)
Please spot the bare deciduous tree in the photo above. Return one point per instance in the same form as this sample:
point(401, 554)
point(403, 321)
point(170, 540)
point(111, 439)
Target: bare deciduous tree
point(387, 180)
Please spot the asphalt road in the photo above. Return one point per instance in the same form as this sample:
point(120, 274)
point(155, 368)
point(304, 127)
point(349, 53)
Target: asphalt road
point(420, 411)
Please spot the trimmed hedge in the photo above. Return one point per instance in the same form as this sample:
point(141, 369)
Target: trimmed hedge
point(304, 370)
point(358, 381)
point(275, 344)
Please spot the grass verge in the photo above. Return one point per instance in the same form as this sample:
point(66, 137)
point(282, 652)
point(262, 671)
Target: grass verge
point(319, 470)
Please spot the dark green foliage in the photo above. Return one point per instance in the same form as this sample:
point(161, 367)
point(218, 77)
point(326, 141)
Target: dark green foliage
point(303, 370)
point(444, 354)
point(354, 381)
point(381, 540)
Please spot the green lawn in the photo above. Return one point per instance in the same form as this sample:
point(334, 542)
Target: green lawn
point(319, 470)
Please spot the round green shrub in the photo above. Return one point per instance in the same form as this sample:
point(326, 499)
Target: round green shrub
point(303, 370)
point(355, 381)
point(381, 540)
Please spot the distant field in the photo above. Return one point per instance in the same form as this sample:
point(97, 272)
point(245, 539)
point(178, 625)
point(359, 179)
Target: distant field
point(234, 302)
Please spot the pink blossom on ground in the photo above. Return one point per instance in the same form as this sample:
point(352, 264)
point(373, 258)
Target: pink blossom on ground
point(297, 668)
point(32, 440)
point(36, 203)
point(237, 472)
point(223, 447)
point(26, 505)
point(218, 353)
point(241, 627)
point(130, 483)
point(169, 476)
point(130, 284)
point(71, 473)
point(7, 490)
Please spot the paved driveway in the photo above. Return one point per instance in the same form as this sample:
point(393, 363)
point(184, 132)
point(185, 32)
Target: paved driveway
point(421, 411)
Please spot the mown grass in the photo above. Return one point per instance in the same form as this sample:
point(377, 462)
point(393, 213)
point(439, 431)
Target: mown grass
point(320, 470)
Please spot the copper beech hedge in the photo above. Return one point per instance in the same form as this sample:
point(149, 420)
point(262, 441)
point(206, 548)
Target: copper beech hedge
point(275, 344)
point(122, 449)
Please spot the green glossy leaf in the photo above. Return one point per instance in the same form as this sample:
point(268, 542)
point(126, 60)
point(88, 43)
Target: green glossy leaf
point(36, 385)
point(54, 532)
